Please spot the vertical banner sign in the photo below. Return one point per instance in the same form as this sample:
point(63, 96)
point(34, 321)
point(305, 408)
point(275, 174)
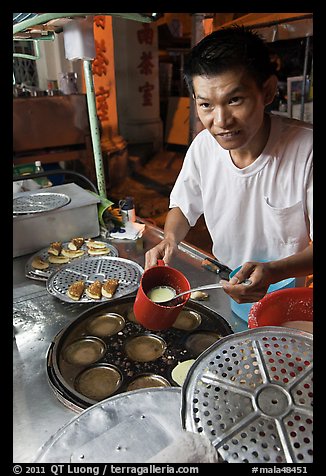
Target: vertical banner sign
point(145, 67)
point(103, 72)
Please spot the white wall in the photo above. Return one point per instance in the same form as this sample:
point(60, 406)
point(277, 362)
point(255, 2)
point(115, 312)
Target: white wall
point(52, 62)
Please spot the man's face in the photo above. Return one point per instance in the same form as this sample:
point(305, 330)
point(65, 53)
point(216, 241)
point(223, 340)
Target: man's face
point(231, 106)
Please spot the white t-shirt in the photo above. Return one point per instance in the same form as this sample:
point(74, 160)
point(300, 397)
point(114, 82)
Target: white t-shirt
point(260, 212)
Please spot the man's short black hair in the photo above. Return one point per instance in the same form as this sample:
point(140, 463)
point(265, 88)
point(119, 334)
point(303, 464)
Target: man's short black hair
point(228, 49)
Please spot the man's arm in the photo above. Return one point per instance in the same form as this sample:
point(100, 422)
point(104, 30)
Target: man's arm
point(263, 274)
point(299, 264)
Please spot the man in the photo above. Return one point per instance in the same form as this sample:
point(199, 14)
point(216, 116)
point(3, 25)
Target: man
point(248, 172)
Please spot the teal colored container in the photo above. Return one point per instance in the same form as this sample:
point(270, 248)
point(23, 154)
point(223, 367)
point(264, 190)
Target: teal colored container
point(242, 310)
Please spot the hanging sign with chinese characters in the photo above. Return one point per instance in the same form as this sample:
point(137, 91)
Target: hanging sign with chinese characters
point(145, 36)
point(103, 72)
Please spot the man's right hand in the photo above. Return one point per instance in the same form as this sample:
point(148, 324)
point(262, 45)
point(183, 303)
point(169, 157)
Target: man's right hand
point(175, 229)
point(164, 250)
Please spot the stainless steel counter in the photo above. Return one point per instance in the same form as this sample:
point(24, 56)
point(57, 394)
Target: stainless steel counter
point(38, 317)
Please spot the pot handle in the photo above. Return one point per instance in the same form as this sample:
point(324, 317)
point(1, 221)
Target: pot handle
point(160, 262)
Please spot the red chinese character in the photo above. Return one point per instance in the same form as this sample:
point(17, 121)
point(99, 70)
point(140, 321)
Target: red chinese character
point(99, 21)
point(101, 104)
point(99, 66)
point(147, 93)
point(103, 92)
point(146, 34)
point(102, 109)
point(146, 64)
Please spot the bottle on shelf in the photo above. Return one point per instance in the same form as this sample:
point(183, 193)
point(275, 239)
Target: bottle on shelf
point(43, 181)
point(38, 166)
point(127, 209)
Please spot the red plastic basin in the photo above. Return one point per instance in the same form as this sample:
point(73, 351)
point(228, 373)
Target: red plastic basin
point(285, 305)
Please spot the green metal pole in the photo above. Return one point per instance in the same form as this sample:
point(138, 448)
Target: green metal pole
point(95, 130)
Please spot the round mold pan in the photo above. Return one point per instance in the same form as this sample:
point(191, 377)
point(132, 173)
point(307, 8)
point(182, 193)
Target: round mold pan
point(170, 346)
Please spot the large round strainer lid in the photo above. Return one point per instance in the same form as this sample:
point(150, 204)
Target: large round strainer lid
point(39, 202)
point(251, 395)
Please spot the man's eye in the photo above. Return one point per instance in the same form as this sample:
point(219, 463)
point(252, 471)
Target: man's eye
point(204, 105)
point(236, 100)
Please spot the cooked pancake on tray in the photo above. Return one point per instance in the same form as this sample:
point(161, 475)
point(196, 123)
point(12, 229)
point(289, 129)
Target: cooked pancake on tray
point(76, 243)
point(94, 290)
point(55, 248)
point(109, 287)
point(39, 263)
point(76, 290)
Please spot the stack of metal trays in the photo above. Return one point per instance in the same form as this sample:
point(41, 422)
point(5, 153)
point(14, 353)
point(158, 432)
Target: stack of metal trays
point(39, 202)
point(44, 274)
point(251, 394)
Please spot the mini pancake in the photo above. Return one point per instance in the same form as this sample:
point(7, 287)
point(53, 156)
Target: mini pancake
point(200, 341)
point(94, 290)
point(180, 371)
point(98, 382)
point(75, 290)
point(145, 348)
point(95, 244)
point(106, 325)
point(55, 248)
point(98, 251)
point(84, 351)
point(76, 243)
point(109, 287)
point(39, 263)
point(148, 381)
point(72, 253)
point(58, 259)
point(187, 320)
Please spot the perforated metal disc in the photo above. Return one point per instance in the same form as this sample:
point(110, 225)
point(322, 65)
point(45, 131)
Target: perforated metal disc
point(251, 394)
point(92, 268)
point(39, 202)
point(44, 274)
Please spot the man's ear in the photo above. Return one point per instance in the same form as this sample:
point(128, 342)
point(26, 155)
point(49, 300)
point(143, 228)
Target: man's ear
point(269, 89)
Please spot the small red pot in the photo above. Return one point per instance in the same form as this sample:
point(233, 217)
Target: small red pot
point(156, 316)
